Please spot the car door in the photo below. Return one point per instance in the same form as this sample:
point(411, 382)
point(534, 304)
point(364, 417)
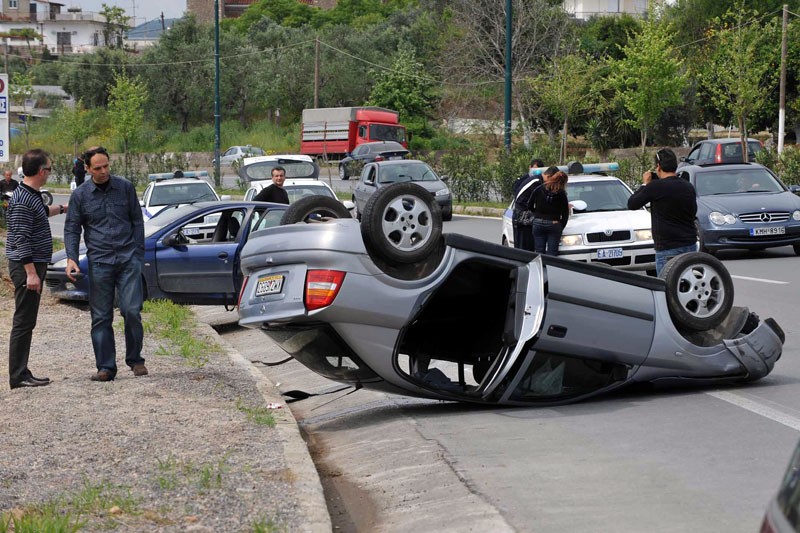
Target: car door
point(204, 272)
point(365, 187)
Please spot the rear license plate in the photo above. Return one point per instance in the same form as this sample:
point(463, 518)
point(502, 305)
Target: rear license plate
point(609, 253)
point(769, 230)
point(269, 285)
point(395, 157)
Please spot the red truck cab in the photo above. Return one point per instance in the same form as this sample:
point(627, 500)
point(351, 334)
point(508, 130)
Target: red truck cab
point(336, 131)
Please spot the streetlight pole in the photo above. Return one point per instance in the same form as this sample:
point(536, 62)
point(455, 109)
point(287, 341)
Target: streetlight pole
point(507, 120)
point(217, 175)
point(782, 96)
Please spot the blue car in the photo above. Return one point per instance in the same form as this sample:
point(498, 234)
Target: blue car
point(182, 263)
point(743, 206)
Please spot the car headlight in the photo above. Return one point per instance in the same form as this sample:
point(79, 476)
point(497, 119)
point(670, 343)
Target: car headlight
point(443, 192)
point(796, 215)
point(571, 240)
point(720, 219)
point(63, 262)
point(643, 235)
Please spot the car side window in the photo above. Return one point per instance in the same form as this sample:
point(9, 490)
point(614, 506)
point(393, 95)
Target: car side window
point(371, 175)
point(267, 219)
point(707, 151)
point(694, 154)
point(251, 192)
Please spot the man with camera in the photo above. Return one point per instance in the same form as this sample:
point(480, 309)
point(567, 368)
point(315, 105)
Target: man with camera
point(673, 208)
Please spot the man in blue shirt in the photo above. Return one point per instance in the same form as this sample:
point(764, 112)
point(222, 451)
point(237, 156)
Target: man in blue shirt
point(107, 210)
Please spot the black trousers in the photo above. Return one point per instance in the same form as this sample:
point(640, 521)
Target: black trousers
point(523, 237)
point(25, 314)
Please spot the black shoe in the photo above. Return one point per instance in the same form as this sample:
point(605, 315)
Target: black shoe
point(29, 383)
point(43, 380)
point(102, 375)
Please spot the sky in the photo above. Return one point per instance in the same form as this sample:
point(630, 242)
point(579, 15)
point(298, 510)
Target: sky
point(145, 9)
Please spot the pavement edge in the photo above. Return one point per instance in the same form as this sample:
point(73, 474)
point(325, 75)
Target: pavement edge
point(305, 478)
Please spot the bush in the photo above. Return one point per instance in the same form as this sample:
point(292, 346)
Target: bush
point(786, 165)
point(631, 170)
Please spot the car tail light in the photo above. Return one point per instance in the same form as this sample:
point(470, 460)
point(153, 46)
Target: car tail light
point(718, 154)
point(241, 291)
point(322, 286)
point(378, 158)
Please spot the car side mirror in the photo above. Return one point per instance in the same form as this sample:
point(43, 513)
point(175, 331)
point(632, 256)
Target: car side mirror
point(225, 197)
point(444, 178)
point(175, 239)
point(795, 189)
point(141, 203)
point(682, 159)
point(578, 205)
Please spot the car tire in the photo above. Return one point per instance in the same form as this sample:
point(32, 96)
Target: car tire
point(699, 291)
point(447, 214)
point(357, 213)
point(701, 245)
point(343, 172)
point(315, 208)
point(796, 248)
point(47, 198)
point(402, 223)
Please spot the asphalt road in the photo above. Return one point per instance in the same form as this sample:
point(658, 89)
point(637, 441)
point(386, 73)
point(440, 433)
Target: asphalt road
point(704, 459)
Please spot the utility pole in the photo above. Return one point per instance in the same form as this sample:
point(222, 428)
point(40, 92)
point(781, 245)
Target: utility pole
point(782, 105)
point(217, 174)
point(316, 73)
point(507, 119)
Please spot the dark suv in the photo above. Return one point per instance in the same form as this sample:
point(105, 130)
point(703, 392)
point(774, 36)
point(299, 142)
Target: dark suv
point(714, 151)
point(369, 152)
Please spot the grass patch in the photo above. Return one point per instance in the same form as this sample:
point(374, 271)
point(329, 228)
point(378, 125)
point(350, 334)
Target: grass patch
point(72, 511)
point(58, 244)
point(265, 525)
point(257, 415)
point(175, 324)
point(173, 473)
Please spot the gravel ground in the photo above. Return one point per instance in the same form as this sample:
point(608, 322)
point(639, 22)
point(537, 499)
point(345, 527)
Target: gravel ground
point(172, 451)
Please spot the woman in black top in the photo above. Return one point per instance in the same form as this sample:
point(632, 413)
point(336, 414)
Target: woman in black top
point(550, 208)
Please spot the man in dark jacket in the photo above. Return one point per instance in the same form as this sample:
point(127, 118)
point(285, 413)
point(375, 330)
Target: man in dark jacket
point(673, 208)
point(79, 171)
point(523, 236)
point(275, 192)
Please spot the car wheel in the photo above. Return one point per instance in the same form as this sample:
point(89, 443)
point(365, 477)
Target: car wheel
point(701, 243)
point(315, 208)
point(343, 172)
point(699, 291)
point(447, 214)
point(402, 223)
point(796, 248)
point(357, 212)
point(47, 198)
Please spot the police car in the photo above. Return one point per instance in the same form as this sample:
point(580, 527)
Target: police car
point(601, 228)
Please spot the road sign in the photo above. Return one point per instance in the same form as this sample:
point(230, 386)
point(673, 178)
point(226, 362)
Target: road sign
point(4, 119)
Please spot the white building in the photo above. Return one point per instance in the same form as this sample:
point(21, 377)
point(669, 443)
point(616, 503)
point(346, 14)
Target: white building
point(584, 9)
point(70, 31)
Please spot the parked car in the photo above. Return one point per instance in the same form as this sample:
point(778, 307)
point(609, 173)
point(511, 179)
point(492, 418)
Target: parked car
point(601, 228)
point(165, 189)
point(260, 168)
point(715, 151)
point(394, 304)
point(743, 206)
point(365, 153)
point(238, 152)
point(299, 188)
point(783, 510)
point(382, 173)
point(180, 264)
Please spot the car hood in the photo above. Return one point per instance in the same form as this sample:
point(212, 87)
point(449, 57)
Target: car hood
point(608, 220)
point(60, 255)
point(750, 202)
point(430, 186)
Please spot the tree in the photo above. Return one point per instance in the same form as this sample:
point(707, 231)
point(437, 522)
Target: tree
point(21, 90)
point(741, 73)
point(604, 37)
point(88, 79)
point(115, 25)
point(74, 123)
point(405, 87)
point(126, 101)
point(475, 54)
point(649, 78)
point(28, 34)
point(567, 91)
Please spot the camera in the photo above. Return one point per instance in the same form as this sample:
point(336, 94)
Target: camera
point(653, 175)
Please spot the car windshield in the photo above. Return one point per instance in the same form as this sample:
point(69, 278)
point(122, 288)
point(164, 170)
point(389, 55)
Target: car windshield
point(600, 195)
point(300, 191)
point(406, 172)
point(380, 132)
point(182, 193)
point(166, 217)
point(294, 169)
point(735, 181)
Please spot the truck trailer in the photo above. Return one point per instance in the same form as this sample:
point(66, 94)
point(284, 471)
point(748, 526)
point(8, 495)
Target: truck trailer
point(333, 132)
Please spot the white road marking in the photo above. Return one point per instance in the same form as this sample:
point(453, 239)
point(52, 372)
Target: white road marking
point(762, 280)
point(757, 408)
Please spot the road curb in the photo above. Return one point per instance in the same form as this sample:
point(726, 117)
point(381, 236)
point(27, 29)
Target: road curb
point(305, 479)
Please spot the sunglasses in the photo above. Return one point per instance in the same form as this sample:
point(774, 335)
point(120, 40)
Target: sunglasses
point(49, 169)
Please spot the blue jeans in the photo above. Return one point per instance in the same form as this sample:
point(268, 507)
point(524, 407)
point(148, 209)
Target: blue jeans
point(546, 236)
point(126, 280)
point(663, 256)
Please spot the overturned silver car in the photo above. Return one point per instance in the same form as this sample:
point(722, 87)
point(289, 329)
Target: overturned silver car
point(393, 304)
